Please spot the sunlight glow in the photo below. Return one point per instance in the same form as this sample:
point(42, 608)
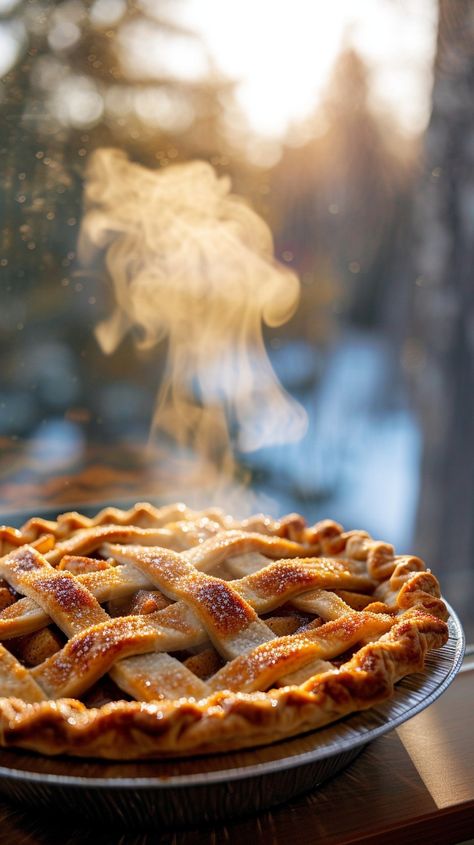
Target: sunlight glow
point(281, 54)
point(146, 51)
point(12, 37)
point(278, 56)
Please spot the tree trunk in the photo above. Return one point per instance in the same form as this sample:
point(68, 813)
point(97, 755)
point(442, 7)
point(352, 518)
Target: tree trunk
point(444, 314)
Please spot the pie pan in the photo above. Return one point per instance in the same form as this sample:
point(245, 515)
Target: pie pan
point(209, 788)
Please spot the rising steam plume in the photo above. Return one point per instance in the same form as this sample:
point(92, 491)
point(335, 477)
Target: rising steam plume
point(190, 262)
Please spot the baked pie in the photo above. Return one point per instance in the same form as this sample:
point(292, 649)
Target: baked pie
point(156, 632)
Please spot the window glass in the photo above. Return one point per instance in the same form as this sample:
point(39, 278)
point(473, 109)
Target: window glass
point(236, 263)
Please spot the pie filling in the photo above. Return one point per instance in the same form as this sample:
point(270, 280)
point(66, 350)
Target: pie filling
point(165, 631)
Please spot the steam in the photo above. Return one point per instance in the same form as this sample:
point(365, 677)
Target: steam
point(190, 262)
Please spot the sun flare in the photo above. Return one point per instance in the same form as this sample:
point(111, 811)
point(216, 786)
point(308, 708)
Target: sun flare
point(281, 54)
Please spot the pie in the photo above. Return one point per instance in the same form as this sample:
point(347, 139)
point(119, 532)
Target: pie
point(158, 632)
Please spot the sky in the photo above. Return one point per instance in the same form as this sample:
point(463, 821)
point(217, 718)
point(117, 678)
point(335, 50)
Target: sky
point(282, 52)
point(279, 53)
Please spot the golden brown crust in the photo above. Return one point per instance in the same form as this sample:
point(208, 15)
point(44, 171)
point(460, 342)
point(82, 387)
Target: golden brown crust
point(223, 721)
point(390, 603)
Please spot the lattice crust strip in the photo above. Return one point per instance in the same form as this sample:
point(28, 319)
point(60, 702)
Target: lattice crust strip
point(224, 634)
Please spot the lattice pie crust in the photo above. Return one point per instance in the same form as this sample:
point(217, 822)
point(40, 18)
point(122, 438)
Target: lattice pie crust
point(167, 632)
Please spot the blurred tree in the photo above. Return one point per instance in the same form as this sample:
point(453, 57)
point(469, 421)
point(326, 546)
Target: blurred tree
point(79, 83)
point(346, 198)
point(86, 75)
point(442, 343)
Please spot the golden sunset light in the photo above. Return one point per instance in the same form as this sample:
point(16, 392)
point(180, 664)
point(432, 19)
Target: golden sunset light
point(282, 53)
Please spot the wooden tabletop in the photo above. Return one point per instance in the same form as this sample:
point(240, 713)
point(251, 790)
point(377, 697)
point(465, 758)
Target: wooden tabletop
point(413, 785)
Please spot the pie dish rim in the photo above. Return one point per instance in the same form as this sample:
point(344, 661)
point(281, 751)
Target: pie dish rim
point(451, 654)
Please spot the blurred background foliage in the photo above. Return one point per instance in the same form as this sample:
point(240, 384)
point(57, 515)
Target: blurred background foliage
point(369, 193)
